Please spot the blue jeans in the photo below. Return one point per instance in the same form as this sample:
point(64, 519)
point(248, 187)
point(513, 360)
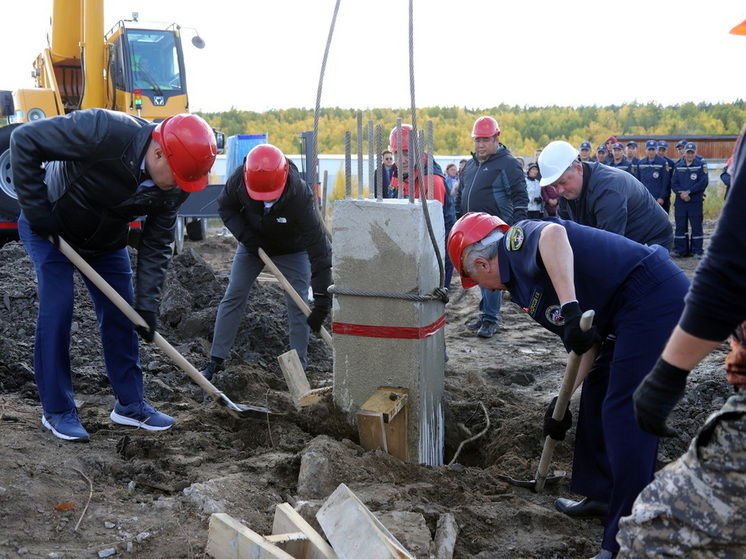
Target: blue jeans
point(55, 289)
point(245, 268)
point(490, 304)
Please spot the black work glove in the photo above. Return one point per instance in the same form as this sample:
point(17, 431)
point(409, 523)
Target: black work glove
point(150, 318)
point(316, 318)
point(575, 338)
point(657, 395)
point(46, 226)
point(552, 427)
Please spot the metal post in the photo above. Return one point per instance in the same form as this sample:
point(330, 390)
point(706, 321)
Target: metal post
point(371, 161)
point(430, 158)
point(348, 165)
point(359, 155)
point(379, 160)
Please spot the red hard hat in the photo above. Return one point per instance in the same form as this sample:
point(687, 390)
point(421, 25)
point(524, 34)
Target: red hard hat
point(393, 140)
point(485, 127)
point(265, 172)
point(190, 148)
point(469, 229)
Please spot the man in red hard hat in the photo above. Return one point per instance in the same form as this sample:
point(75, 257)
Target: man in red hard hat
point(493, 182)
point(554, 270)
point(103, 169)
point(267, 205)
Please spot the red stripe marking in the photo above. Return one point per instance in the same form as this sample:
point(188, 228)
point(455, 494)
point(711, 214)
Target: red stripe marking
point(395, 332)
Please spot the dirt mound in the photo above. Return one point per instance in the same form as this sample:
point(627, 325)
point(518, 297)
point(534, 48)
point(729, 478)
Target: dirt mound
point(151, 494)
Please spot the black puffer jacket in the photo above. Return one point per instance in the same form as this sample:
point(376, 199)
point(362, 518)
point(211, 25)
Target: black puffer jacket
point(90, 185)
point(292, 225)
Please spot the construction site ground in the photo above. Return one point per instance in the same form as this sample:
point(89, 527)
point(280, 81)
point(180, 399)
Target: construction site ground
point(142, 494)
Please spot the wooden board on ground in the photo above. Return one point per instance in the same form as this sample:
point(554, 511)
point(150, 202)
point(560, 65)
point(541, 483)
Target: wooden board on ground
point(287, 520)
point(354, 531)
point(229, 539)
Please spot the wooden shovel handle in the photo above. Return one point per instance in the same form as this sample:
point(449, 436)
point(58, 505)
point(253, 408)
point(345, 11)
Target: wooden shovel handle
point(565, 393)
point(290, 290)
point(87, 270)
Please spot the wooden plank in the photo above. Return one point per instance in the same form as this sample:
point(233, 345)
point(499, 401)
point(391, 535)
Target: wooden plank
point(229, 539)
point(370, 428)
point(295, 376)
point(294, 543)
point(354, 531)
point(287, 520)
point(388, 401)
point(397, 439)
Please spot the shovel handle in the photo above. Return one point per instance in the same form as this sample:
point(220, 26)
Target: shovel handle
point(302, 305)
point(565, 393)
point(88, 271)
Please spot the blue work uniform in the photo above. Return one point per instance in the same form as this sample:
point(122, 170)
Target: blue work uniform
point(656, 176)
point(624, 165)
point(637, 293)
point(694, 180)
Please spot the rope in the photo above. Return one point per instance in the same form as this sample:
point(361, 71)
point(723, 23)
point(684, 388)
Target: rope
point(438, 294)
point(418, 152)
point(317, 111)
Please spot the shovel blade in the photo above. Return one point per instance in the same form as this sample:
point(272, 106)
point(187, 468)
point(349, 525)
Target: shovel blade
point(242, 411)
point(531, 484)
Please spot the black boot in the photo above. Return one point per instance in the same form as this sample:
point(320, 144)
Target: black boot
point(215, 365)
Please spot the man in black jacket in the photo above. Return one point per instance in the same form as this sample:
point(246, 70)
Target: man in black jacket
point(492, 182)
point(85, 177)
point(266, 204)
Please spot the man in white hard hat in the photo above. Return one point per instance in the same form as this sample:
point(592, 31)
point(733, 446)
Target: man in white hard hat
point(603, 197)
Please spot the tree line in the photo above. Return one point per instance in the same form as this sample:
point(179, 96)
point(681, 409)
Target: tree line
point(524, 129)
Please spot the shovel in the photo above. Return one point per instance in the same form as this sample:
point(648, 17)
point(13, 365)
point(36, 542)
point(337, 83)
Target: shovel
point(565, 393)
point(240, 411)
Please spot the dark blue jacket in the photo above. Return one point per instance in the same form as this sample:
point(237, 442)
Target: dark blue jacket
point(692, 179)
point(656, 176)
point(615, 201)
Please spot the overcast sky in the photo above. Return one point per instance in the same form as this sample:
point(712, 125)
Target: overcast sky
point(267, 54)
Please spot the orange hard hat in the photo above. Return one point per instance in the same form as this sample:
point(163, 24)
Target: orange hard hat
point(190, 148)
point(394, 141)
point(265, 172)
point(485, 127)
point(739, 29)
point(469, 229)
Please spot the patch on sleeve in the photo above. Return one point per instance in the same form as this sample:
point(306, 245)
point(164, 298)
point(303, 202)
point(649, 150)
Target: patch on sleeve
point(515, 238)
point(534, 304)
point(554, 315)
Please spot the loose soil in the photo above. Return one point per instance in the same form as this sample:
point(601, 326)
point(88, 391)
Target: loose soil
point(140, 494)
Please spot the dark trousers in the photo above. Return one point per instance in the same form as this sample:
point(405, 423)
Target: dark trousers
point(55, 288)
point(614, 459)
point(688, 241)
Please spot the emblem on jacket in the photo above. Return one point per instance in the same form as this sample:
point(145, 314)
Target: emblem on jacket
point(515, 238)
point(281, 220)
point(535, 300)
point(693, 176)
point(554, 315)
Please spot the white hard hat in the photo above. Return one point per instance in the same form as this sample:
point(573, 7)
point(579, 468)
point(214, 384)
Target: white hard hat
point(554, 160)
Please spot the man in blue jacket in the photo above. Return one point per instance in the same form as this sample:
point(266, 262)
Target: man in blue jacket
point(84, 177)
point(554, 269)
point(654, 173)
point(689, 182)
point(493, 182)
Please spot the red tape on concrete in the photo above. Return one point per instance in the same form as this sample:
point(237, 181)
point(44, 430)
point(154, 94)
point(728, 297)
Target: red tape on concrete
point(395, 332)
